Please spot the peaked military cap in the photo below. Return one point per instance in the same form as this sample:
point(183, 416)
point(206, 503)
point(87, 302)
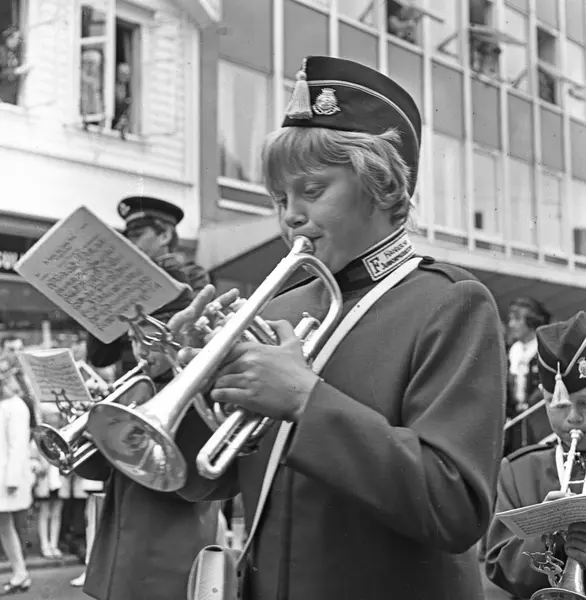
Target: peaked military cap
point(335, 93)
point(561, 349)
point(139, 211)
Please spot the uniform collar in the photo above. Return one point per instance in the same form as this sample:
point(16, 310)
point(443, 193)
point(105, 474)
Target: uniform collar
point(377, 262)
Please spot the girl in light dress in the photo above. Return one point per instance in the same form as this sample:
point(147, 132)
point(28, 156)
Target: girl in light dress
point(16, 478)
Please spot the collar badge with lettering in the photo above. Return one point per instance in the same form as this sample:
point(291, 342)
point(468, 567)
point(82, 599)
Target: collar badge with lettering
point(326, 103)
point(582, 368)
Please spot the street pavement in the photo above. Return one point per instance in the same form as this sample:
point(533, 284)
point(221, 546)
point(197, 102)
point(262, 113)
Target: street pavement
point(53, 584)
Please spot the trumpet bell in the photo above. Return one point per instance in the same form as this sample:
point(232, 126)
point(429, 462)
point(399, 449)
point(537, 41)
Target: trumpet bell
point(68, 447)
point(140, 448)
point(557, 594)
point(54, 447)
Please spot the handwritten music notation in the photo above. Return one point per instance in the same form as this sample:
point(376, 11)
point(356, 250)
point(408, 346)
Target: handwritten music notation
point(96, 275)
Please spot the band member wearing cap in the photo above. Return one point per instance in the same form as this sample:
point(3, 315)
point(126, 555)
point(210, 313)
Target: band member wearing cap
point(533, 474)
point(525, 315)
point(390, 474)
point(151, 226)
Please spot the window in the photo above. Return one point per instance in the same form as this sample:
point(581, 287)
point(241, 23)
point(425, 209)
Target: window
point(109, 93)
point(12, 51)
point(550, 226)
point(485, 49)
point(450, 209)
point(403, 21)
point(486, 194)
point(516, 25)
point(575, 66)
point(243, 121)
point(444, 36)
point(522, 216)
point(579, 216)
point(363, 11)
point(547, 57)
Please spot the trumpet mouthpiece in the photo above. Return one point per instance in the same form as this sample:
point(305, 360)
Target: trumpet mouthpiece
point(576, 434)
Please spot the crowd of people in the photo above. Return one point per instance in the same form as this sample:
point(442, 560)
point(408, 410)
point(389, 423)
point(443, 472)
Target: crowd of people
point(383, 472)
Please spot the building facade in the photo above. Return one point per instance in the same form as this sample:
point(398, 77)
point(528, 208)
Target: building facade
point(501, 85)
point(99, 100)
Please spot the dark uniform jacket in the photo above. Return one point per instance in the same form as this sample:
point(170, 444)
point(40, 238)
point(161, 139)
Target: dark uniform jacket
point(120, 350)
point(146, 541)
point(526, 477)
point(390, 475)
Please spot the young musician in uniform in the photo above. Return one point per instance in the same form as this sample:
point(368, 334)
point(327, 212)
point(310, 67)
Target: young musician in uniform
point(533, 474)
point(390, 474)
point(151, 225)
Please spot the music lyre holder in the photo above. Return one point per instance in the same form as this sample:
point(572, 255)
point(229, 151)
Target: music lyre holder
point(69, 409)
point(159, 341)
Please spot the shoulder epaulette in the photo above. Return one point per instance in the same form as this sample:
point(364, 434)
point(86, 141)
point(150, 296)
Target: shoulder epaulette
point(528, 450)
point(452, 272)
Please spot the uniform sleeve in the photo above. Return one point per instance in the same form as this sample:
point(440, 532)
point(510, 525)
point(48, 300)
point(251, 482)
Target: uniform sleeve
point(103, 355)
point(191, 436)
point(18, 437)
point(95, 468)
point(432, 479)
point(506, 565)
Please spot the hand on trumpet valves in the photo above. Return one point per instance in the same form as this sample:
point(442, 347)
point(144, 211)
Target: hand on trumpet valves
point(274, 381)
point(576, 542)
point(193, 326)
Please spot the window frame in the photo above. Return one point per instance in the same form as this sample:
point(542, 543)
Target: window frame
point(545, 220)
point(139, 18)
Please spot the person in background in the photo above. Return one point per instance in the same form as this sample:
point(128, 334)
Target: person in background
point(533, 474)
point(16, 476)
point(151, 225)
point(48, 490)
point(525, 314)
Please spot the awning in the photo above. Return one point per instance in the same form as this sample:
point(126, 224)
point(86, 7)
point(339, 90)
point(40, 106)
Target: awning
point(561, 299)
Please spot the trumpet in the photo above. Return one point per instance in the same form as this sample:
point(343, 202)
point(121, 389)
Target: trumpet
point(140, 442)
point(570, 586)
point(68, 447)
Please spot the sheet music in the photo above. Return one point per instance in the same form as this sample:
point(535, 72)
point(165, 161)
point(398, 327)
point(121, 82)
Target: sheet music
point(54, 376)
point(547, 517)
point(94, 274)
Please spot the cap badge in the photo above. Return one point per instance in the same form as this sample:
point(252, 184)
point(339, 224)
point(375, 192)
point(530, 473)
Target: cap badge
point(326, 103)
point(124, 209)
point(582, 368)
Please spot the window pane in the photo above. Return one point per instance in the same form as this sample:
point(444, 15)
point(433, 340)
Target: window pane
point(486, 194)
point(440, 32)
point(243, 117)
point(91, 100)
point(363, 11)
point(404, 21)
point(579, 216)
point(550, 226)
point(93, 21)
point(522, 209)
point(516, 25)
point(447, 176)
point(575, 71)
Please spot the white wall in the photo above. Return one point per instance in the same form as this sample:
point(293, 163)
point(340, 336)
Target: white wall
point(49, 165)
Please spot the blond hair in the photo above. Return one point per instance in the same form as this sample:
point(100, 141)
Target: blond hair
point(375, 159)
